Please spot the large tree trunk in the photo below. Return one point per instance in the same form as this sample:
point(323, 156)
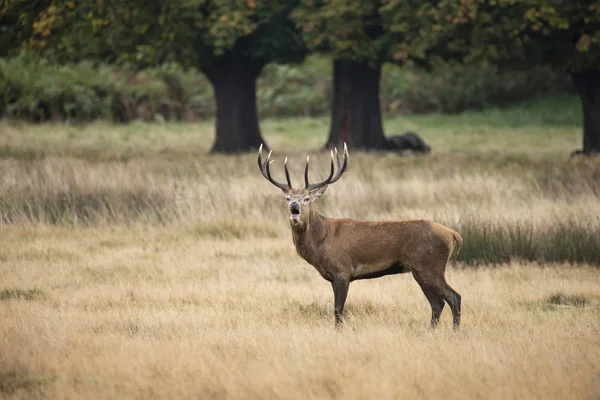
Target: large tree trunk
point(355, 110)
point(587, 84)
point(233, 78)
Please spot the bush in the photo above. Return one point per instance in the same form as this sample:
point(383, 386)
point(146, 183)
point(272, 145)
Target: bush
point(453, 88)
point(34, 90)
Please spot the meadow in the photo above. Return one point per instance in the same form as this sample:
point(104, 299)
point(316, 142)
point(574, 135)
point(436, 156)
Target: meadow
point(135, 265)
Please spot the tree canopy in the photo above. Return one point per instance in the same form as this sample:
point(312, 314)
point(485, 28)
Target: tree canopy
point(515, 34)
point(512, 33)
point(232, 40)
point(344, 29)
point(229, 40)
point(189, 32)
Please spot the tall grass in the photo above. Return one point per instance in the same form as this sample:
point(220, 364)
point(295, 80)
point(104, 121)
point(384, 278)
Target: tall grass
point(503, 214)
point(490, 243)
point(153, 312)
point(134, 265)
point(511, 190)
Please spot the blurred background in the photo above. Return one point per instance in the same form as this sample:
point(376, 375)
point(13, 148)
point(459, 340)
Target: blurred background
point(238, 62)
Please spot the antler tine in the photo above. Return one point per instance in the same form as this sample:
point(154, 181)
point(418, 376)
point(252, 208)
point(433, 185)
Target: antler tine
point(266, 171)
point(344, 166)
point(312, 186)
point(306, 184)
point(287, 173)
point(260, 157)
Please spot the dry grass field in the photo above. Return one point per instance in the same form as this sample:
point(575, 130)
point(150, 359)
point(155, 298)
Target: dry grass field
point(133, 265)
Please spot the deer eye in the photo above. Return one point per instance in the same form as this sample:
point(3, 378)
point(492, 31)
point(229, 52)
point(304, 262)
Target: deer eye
point(307, 199)
point(287, 198)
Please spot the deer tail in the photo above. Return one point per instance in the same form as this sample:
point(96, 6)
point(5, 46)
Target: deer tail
point(459, 241)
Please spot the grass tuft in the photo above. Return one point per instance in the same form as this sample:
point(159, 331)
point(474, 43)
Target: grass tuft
point(12, 382)
point(21, 294)
point(564, 300)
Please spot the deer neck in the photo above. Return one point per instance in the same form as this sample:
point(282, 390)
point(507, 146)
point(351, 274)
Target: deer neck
point(308, 235)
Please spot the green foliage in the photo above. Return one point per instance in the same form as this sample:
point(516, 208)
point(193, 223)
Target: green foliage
point(295, 91)
point(34, 90)
point(517, 33)
point(452, 88)
point(343, 28)
point(142, 33)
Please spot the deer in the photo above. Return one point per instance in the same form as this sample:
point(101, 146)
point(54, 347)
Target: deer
point(344, 250)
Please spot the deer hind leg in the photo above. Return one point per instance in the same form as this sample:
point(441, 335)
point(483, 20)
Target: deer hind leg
point(435, 289)
point(453, 299)
point(436, 302)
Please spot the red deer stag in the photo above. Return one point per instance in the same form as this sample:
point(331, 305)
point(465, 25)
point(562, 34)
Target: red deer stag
point(345, 250)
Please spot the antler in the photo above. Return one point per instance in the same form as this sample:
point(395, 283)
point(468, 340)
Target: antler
point(266, 172)
point(330, 179)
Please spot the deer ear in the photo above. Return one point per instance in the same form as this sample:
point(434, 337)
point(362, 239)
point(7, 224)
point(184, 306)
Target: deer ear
point(316, 193)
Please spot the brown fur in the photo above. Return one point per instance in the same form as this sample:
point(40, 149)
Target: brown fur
point(344, 250)
point(347, 250)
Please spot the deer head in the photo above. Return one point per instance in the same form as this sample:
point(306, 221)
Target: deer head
point(300, 200)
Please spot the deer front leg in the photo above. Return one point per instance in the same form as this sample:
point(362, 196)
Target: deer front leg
point(340, 286)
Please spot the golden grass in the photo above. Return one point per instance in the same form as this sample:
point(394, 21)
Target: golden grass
point(134, 266)
point(151, 312)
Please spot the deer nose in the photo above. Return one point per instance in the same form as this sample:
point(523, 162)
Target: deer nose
point(294, 206)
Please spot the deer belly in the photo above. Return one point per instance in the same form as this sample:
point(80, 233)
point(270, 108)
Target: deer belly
point(367, 271)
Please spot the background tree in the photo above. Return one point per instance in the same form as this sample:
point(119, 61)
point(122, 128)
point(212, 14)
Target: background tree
point(229, 41)
point(515, 34)
point(351, 33)
point(360, 37)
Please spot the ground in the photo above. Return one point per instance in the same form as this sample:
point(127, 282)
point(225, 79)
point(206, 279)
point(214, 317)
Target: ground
point(133, 265)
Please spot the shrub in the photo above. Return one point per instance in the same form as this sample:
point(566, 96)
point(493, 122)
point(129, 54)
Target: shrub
point(452, 88)
point(34, 90)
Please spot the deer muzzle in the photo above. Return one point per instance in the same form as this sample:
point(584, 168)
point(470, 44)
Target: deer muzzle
point(295, 210)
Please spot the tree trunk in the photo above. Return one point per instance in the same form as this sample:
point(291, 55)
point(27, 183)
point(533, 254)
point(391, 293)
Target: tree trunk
point(233, 79)
point(587, 84)
point(355, 110)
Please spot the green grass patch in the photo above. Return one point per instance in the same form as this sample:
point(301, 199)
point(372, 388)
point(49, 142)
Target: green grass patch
point(522, 133)
point(12, 382)
point(559, 301)
point(21, 294)
point(564, 300)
